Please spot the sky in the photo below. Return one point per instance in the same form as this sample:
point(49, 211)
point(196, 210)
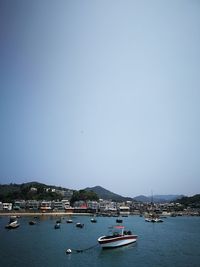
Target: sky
point(101, 93)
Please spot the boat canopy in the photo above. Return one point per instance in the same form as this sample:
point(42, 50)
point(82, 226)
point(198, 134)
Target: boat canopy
point(119, 227)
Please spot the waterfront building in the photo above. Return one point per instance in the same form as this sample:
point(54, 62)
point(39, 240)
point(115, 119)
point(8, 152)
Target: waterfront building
point(94, 205)
point(32, 204)
point(7, 206)
point(57, 205)
point(45, 205)
point(124, 210)
point(19, 204)
point(66, 203)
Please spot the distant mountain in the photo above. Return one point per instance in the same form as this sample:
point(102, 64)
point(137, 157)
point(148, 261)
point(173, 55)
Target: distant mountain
point(107, 195)
point(157, 198)
point(142, 198)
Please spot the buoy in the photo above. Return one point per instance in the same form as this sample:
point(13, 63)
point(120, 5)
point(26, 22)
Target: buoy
point(68, 251)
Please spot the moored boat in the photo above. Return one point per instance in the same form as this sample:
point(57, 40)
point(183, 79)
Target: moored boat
point(80, 225)
point(32, 222)
point(69, 221)
point(118, 238)
point(12, 225)
point(153, 219)
point(57, 226)
point(118, 220)
point(93, 220)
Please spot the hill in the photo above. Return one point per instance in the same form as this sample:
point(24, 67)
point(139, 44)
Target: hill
point(157, 198)
point(193, 201)
point(30, 191)
point(107, 195)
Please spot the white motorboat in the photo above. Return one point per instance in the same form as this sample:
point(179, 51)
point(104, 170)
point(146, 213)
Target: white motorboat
point(118, 238)
point(12, 225)
point(153, 219)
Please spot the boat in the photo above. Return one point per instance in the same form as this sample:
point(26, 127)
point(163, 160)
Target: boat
point(69, 221)
point(12, 225)
point(93, 220)
point(118, 220)
point(119, 237)
point(80, 225)
point(32, 222)
point(153, 219)
point(57, 226)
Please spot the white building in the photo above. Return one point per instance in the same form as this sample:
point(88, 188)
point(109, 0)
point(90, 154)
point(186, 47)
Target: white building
point(124, 210)
point(45, 205)
point(7, 206)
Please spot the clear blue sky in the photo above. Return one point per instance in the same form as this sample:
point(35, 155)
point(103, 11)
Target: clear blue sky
point(101, 93)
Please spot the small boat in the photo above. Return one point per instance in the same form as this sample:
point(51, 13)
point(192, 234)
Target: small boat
point(69, 221)
point(93, 220)
point(118, 238)
point(12, 225)
point(57, 226)
point(118, 220)
point(158, 220)
point(32, 222)
point(153, 219)
point(58, 221)
point(80, 225)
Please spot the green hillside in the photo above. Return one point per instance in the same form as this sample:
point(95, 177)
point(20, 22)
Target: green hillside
point(193, 201)
point(107, 195)
point(10, 192)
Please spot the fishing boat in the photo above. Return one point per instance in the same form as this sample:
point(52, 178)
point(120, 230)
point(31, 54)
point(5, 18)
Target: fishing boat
point(119, 237)
point(93, 220)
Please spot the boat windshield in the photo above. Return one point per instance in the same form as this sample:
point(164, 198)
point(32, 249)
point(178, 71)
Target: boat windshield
point(116, 230)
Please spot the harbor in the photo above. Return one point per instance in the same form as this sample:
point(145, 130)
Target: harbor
point(175, 240)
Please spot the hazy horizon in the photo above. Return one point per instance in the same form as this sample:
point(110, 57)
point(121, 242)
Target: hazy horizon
point(101, 93)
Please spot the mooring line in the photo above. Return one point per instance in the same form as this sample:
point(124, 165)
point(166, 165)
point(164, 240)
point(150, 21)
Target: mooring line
point(70, 250)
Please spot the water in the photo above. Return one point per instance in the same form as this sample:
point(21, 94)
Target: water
point(175, 242)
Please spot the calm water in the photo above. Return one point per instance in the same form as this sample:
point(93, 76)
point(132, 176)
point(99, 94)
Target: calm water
point(176, 242)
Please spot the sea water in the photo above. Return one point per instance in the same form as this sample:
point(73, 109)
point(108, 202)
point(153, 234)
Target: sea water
point(175, 242)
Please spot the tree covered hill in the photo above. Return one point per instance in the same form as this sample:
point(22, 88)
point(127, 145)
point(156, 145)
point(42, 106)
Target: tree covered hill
point(193, 201)
point(84, 196)
point(106, 194)
point(29, 191)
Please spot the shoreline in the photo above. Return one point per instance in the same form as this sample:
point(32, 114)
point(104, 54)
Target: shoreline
point(42, 214)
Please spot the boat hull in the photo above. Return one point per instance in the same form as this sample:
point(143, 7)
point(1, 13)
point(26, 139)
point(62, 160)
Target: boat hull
point(116, 241)
point(12, 225)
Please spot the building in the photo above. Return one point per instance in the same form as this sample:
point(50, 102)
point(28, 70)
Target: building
point(58, 205)
point(124, 210)
point(7, 206)
point(45, 206)
point(32, 204)
point(19, 204)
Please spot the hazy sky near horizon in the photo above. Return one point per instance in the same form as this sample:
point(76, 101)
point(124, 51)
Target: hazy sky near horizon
point(101, 93)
